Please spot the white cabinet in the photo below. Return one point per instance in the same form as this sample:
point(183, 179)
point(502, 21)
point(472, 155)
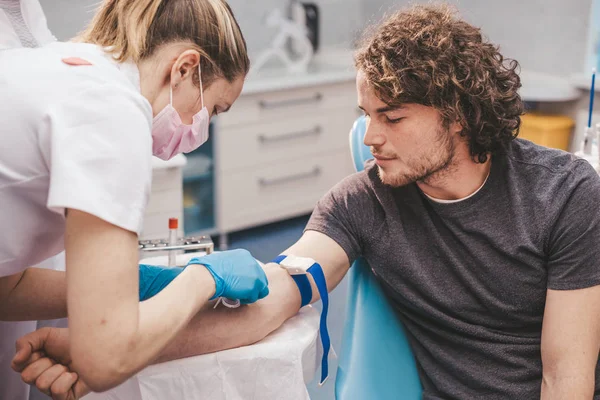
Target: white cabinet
point(282, 146)
point(166, 198)
point(277, 152)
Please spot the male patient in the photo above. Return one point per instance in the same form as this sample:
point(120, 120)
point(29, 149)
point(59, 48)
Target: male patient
point(487, 246)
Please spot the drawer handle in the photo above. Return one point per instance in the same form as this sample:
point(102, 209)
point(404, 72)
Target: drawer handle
point(268, 105)
point(316, 171)
point(292, 135)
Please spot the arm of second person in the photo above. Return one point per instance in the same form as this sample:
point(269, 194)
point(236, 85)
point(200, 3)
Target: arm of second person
point(20, 299)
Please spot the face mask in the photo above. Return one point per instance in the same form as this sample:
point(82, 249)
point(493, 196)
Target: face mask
point(170, 136)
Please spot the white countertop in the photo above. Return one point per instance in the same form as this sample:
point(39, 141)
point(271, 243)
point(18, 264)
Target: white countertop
point(330, 66)
point(583, 81)
point(542, 87)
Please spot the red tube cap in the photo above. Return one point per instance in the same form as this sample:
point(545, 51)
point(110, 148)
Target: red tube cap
point(173, 223)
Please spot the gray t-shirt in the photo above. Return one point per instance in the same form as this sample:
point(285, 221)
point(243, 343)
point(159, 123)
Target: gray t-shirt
point(469, 279)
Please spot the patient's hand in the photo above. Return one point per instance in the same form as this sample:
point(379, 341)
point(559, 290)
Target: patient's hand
point(43, 359)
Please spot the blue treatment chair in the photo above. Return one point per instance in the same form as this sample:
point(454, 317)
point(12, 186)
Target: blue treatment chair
point(376, 361)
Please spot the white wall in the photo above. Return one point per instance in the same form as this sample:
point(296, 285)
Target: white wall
point(543, 35)
point(340, 19)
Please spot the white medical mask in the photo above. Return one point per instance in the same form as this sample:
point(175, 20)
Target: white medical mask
point(170, 136)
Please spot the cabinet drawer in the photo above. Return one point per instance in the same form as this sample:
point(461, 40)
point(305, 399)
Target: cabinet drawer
point(258, 196)
point(283, 104)
point(280, 140)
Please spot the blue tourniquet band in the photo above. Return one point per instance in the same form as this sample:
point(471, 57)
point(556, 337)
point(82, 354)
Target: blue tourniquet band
point(306, 293)
point(302, 282)
point(319, 277)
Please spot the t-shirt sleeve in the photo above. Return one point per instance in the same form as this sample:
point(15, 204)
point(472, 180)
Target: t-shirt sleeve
point(574, 241)
point(343, 215)
point(101, 155)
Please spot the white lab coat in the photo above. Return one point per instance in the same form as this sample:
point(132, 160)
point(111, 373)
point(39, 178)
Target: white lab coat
point(45, 223)
point(11, 385)
point(76, 137)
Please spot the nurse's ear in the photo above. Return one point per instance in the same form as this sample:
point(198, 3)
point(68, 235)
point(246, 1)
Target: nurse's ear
point(184, 67)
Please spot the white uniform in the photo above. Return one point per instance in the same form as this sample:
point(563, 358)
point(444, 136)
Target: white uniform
point(70, 137)
point(22, 24)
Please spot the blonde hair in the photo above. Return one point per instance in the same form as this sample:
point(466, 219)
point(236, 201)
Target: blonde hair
point(135, 29)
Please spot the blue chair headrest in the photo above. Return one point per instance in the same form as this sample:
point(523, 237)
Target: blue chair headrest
point(360, 152)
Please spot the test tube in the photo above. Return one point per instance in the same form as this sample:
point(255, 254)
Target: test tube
point(173, 226)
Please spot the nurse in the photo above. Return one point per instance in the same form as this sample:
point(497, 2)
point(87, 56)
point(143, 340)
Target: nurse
point(22, 24)
point(79, 124)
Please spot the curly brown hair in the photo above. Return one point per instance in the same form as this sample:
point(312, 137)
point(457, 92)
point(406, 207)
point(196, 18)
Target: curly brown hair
point(427, 55)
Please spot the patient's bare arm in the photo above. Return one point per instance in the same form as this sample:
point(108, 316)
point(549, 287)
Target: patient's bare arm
point(223, 328)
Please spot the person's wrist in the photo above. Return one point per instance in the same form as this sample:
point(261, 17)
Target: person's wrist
point(205, 277)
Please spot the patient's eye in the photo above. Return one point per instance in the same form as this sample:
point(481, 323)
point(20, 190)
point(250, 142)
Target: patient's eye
point(393, 120)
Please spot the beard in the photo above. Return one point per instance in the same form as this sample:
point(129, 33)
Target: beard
point(432, 164)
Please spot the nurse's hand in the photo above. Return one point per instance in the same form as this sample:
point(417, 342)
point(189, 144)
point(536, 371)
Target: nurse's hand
point(43, 359)
point(237, 275)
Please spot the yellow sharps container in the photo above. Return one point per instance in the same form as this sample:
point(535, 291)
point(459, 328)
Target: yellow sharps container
point(547, 130)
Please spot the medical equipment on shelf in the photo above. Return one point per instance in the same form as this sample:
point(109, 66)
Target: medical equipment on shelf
point(288, 30)
point(305, 14)
point(186, 243)
point(590, 149)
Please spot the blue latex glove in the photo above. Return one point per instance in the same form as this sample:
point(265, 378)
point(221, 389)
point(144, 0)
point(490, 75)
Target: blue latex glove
point(237, 275)
point(154, 279)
